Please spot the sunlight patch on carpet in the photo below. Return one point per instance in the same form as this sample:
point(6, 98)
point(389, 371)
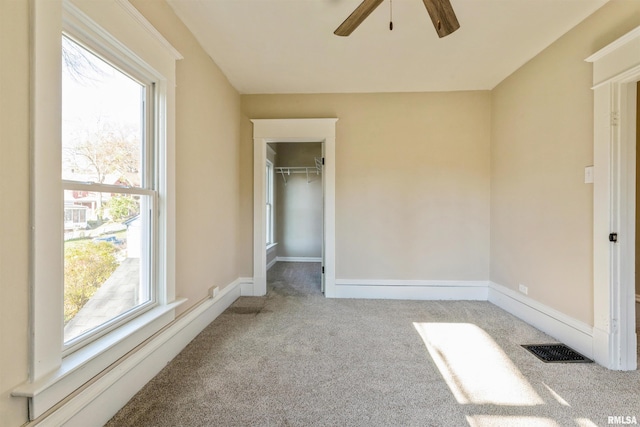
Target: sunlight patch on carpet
point(474, 366)
point(556, 396)
point(511, 421)
point(585, 422)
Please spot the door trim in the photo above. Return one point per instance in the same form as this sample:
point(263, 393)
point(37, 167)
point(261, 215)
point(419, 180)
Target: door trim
point(292, 130)
point(616, 71)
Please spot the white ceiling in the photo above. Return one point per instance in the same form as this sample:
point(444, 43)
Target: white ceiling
point(288, 46)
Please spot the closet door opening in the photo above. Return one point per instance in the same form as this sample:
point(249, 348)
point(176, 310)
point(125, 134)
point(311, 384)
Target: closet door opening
point(299, 131)
point(298, 208)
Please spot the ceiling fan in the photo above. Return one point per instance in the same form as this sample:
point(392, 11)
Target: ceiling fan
point(441, 13)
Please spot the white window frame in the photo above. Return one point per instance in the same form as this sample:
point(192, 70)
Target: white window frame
point(270, 205)
point(148, 187)
point(120, 31)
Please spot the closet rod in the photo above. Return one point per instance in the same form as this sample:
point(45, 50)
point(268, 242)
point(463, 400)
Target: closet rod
point(300, 169)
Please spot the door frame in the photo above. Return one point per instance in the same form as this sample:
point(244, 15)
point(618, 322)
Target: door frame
point(267, 131)
point(616, 71)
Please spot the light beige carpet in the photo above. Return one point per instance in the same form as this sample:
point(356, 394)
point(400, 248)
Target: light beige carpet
point(294, 358)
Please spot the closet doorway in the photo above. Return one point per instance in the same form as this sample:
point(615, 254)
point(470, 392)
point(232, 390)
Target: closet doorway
point(294, 205)
point(316, 133)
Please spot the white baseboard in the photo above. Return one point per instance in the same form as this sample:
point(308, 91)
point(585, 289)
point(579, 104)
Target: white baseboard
point(246, 286)
point(601, 344)
point(103, 397)
point(572, 332)
point(97, 402)
point(270, 250)
point(411, 289)
point(298, 259)
point(272, 263)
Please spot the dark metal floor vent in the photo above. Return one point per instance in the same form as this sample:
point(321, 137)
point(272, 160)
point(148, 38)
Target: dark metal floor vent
point(558, 353)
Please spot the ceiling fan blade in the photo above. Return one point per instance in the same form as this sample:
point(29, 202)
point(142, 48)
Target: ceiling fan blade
point(357, 16)
point(442, 15)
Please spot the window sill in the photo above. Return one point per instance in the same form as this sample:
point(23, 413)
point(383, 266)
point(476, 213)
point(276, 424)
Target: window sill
point(84, 364)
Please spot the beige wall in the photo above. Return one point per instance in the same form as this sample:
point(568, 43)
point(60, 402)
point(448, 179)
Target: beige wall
point(299, 203)
point(541, 140)
point(14, 209)
point(207, 134)
point(412, 180)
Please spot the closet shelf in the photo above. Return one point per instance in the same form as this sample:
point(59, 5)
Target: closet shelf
point(308, 170)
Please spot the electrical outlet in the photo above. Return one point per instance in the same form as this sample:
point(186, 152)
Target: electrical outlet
point(523, 289)
point(213, 291)
point(588, 175)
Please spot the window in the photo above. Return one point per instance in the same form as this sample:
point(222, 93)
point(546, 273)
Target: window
point(75, 217)
point(102, 198)
point(270, 220)
point(108, 180)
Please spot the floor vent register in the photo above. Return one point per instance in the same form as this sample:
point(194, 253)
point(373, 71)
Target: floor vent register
point(556, 353)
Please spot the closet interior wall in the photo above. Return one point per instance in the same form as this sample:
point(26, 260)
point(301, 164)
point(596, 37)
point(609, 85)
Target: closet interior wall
point(298, 200)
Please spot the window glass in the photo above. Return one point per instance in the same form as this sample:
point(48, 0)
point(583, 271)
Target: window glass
point(107, 225)
point(102, 120)
point(269, 206)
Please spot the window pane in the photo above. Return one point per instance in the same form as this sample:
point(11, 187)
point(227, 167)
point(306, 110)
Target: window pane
point(106, 266)
point(102, 120)
point(268, 183)
point(269, 203)
point(107, 254)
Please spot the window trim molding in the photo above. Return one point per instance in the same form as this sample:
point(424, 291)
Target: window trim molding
point(52, 377)
point(82, 365)
point(144, 23)
point(270, 198)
